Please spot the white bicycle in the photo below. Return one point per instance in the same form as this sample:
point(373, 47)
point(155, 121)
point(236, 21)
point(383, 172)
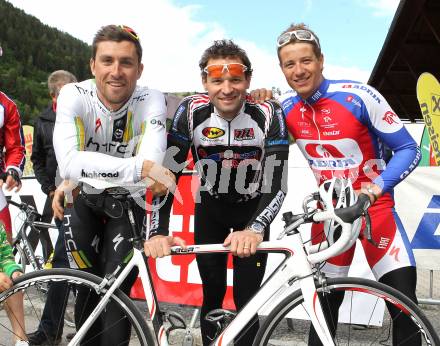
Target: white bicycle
point(297, 285)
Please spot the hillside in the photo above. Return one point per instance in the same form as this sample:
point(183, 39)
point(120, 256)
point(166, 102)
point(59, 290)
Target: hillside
point(31, 51)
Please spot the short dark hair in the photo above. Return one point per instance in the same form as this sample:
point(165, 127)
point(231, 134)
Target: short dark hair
point(302, 26)
point(117, 33)
point(225, 49)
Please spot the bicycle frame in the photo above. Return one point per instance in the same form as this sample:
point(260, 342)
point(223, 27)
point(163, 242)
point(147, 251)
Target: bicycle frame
point(22, 234)
point(296, 265)
point(27, 248)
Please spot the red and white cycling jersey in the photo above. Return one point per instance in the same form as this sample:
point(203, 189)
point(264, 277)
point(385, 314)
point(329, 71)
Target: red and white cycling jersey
point(11, 136)
point(344, 130)
point(12, 149)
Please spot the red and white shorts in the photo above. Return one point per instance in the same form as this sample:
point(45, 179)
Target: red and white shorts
point(393, 250)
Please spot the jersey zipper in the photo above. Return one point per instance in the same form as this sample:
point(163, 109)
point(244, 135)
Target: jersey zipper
point(229, 132)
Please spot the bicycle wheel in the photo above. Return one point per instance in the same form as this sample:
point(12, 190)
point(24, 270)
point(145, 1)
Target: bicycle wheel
point(363, 318)
point(34, 287)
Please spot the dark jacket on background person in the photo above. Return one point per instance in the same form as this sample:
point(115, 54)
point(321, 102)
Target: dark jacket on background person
point(43, 156)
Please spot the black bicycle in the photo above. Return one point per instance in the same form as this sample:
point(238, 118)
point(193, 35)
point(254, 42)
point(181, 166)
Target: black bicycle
point(24, 252)
point(23, 249)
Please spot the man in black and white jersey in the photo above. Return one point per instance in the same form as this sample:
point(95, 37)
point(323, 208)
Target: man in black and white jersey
point(107, 128)
point(240, 149)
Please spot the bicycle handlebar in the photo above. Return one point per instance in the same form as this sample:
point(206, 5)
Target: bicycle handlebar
point(345, 217)
point(26, 208)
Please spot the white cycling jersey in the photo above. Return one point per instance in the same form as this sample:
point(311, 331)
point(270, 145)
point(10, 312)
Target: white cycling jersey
point(91, 141)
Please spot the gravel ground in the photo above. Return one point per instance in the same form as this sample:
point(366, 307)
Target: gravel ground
point(285, 335)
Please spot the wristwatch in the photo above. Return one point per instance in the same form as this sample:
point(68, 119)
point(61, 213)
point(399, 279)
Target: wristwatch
point(257, 228)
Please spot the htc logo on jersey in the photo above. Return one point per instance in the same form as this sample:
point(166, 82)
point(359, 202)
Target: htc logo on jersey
point(120, 148)
point(94, 174)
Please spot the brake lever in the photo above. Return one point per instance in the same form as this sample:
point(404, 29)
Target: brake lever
point(367, 229)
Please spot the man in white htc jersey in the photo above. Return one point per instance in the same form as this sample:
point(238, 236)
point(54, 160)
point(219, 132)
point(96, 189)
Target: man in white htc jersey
point(107, 128)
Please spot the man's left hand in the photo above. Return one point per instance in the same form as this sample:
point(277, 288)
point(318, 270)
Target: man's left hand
point(5, 282)
point(12, 181)
point(243, 243)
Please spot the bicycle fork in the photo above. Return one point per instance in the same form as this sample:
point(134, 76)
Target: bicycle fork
point(151, 298)
point(313, 306)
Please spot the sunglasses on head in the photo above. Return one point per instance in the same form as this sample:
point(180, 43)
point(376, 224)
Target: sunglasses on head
point(300, 35)
point(217, 70)
point(130, 31)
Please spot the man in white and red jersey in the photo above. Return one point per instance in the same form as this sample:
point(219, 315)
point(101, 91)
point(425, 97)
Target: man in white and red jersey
point(12, 157)
point(343, 128)
point(112, 129)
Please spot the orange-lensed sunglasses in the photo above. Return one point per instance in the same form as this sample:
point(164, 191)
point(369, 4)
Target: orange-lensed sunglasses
point(217, 70)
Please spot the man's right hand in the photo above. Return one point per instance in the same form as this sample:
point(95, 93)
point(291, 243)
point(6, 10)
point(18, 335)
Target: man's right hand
point(65, 189)
point(262, 95)
point(160, 245)
point(58, 204)
point(159, 179)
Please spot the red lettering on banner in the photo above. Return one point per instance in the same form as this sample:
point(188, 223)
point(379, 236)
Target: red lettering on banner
point(173, 277)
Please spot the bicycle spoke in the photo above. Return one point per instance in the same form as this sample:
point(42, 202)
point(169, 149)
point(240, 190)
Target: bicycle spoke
point(363, 318)
point(122, 309)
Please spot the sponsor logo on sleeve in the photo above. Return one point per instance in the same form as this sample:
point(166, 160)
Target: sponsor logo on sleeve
point(280, 117)
point(353, 100)
point(94, 174)
point(157, 122)
point(364, 88)
point(390, 118)
point(177, 116)
point(287, 105)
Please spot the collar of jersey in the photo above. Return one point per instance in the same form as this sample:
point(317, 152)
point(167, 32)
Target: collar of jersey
point(114, 114)
point(320, 92)
point(241, 111)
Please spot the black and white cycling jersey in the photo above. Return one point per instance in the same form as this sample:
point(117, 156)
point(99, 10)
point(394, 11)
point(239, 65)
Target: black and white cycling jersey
point(232, 156)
